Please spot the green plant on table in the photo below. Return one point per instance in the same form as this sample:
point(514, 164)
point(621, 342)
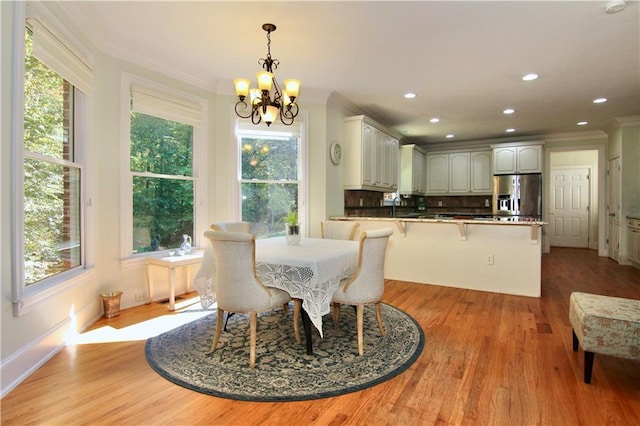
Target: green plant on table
point(291, 218)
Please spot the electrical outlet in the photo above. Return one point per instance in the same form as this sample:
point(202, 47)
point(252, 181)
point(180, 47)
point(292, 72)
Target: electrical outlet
point(140, 297)
point(489, 260)
point(439, 203)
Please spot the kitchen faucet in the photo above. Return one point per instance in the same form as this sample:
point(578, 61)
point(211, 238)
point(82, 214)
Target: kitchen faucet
point(393, 206)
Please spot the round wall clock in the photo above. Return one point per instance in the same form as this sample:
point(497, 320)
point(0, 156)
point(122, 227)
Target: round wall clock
point(335, 152)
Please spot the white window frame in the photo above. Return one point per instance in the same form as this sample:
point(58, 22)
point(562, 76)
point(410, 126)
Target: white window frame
point(244, 127)
point(169, 95)
point(26, 298)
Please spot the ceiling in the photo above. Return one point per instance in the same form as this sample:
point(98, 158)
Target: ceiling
point(464, 60)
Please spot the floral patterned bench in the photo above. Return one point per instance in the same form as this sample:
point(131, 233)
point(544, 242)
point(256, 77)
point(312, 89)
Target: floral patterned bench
point(605, 325)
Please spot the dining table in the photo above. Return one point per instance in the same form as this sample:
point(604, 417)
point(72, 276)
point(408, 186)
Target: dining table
point(310, 271)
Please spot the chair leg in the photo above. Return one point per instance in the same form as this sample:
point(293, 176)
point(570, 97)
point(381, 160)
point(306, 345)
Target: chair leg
point(379, 317)
point(588, 366)
point(285, 308)
point(253, 328)
point(360, 325)
point(336, 313)
point(216, 337)
point(297, 305)
point(575, 341)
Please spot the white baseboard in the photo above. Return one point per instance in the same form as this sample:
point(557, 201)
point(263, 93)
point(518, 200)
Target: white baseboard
point(22, 363)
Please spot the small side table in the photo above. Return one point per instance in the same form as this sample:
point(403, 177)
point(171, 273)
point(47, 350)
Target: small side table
point(170, 263)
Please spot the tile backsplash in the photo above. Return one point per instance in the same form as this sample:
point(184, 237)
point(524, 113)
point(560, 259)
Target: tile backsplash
point(372, 204)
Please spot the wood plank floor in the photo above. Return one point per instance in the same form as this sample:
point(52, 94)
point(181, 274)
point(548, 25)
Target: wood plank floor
point(489, 359)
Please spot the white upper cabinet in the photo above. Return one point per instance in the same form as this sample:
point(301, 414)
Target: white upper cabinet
point(413, 170)
point(517, 159)
point(437, 173)
point(481, 176)
point(371, 156)
point(459, 172)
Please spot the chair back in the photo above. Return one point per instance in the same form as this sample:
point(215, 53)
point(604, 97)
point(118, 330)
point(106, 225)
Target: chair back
point(338, 230)
point(232, 226)
point(237, 287)
point(367, 284)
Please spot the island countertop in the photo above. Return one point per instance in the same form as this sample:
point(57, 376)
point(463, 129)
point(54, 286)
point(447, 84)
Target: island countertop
point(478, 221)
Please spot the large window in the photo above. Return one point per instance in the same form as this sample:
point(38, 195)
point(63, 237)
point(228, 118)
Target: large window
point(163, 184)
point(52, 177)
point(165, 134)
point(270, 180)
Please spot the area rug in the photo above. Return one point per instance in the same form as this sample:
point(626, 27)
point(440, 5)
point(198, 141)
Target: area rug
point(284, 371)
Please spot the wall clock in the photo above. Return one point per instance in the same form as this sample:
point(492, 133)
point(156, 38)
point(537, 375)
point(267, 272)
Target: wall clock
point(335, 151)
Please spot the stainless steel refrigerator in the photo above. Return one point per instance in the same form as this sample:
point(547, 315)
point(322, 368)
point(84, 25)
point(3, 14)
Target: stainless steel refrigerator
point(518, 197)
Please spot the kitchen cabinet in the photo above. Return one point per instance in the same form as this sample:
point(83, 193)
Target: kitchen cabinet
point(371, 156)
point(633, 240)
point(481, 176)
point(509, 159)
point(459, 172)
point(413, 170)
point(437, 173)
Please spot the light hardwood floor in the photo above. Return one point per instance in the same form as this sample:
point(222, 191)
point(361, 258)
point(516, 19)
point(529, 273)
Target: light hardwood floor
point(489, 359)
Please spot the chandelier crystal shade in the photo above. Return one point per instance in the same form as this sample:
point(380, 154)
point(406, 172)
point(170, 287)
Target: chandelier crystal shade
point(268, 101)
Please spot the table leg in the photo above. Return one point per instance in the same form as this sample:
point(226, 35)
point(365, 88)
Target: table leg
point(172, 289)
point(149, 285)
point(306, 324)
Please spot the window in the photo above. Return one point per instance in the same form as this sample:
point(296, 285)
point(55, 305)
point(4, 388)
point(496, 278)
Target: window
point(163, 189)
point(271, 179)
point(49, 212)
point(51, 176)
point(164, 135)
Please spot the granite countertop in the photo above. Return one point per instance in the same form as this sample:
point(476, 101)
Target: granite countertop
point(470, 220)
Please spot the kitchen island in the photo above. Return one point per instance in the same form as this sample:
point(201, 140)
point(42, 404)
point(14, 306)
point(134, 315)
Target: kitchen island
point(488, 255)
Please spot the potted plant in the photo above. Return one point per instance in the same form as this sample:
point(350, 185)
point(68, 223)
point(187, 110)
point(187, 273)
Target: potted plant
point(293, 229)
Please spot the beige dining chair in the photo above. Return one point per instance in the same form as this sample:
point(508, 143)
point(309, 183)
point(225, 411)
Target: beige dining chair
point(232, 226)
point(338, 230)
point(238, 289)
point(366, 286)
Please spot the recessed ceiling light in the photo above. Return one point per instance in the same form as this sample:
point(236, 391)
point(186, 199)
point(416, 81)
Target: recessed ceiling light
point(435, 120)
point(509, 111)
point(510, 130)
point(582, 123)
point(530, 77)
point(600, 100)
point(450, 135)
point(615, 6)
point(409, 95)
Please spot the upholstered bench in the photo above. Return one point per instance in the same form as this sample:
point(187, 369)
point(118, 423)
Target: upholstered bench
point(605, 325)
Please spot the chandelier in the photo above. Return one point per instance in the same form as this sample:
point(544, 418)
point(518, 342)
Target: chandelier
point(263, 105)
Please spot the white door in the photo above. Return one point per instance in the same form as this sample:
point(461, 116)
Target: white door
point(569, 208)
point(613, 209)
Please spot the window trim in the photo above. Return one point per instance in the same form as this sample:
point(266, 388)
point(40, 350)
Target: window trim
point(26, 298)
point(128, 259)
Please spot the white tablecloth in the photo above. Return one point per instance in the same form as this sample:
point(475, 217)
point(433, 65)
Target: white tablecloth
point(310, 271)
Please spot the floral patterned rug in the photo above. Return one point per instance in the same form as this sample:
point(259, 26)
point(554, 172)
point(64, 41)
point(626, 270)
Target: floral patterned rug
point(283, 371)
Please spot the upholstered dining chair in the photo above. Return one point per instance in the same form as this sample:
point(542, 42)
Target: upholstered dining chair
point(338, 230)
point(366, 286)
point(238, 289)
point(232, 226)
